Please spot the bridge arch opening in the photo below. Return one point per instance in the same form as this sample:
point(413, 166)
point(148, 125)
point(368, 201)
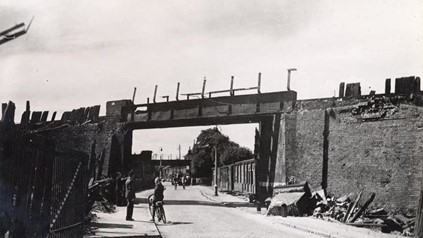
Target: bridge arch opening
point(169, 139)
point(271, 111)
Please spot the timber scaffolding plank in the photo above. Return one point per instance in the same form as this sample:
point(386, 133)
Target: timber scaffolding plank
point(206, 111)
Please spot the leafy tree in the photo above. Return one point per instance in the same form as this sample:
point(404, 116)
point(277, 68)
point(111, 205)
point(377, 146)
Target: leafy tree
point(202, 153)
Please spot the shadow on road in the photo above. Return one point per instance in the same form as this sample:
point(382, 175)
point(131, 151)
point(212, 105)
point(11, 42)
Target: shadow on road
point(199, 203)
point(183, 202)
point(239, 204)
point(111, 225)
point(140, 200)
point(179, 223)
point(192, 202)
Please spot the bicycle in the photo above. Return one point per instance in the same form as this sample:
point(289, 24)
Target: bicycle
point(156, 211)
point(159, 212)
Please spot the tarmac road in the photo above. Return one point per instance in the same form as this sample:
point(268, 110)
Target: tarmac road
point(190, 214)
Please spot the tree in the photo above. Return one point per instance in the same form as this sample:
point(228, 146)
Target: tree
point(202, 153)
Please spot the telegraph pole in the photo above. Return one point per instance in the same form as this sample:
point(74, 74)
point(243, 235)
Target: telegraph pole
point(179, 148)
point(215, 171)
point(160, 169)
point(215, 166)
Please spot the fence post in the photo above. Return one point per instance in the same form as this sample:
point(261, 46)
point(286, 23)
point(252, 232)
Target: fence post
point(418, 231)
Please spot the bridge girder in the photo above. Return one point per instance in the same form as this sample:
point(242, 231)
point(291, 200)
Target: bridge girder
point(208, 111)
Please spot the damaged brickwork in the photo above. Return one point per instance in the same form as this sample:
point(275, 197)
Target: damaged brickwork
point(371, 143)
point(103, 141)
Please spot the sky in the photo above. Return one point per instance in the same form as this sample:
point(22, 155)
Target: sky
point(83, 53)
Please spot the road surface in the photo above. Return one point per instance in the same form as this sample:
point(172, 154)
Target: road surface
point(190, 214)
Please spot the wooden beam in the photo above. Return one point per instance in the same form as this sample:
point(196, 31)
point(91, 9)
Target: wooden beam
point(418, 230)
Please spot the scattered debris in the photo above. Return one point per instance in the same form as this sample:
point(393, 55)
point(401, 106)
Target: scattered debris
point(98, 197)
point(292, 200)
point(297, 200)
point(349, 211)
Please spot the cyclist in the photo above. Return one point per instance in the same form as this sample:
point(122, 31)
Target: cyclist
point(158, 193)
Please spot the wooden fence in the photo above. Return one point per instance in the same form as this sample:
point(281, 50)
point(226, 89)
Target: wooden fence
point(43, 189)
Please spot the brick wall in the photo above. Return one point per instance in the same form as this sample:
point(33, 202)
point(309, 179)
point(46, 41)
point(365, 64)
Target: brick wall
point(102, 141)
point(381, 155)
point(308, 148)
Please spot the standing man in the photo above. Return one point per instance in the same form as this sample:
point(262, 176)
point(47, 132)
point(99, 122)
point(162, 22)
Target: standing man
point(130, 195)
point(119, 189)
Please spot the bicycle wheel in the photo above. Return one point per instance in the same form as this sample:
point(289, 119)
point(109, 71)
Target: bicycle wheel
point(157, 214)
point(150, 205)
point(163, 215)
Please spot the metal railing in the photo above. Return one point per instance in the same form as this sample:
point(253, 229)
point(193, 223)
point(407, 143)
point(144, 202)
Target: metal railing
point(43, 189)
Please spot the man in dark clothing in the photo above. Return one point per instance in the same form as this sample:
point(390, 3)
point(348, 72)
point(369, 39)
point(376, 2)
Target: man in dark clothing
point(119, 182)
point(158, 191)
point(130, 196)
point(175, 181)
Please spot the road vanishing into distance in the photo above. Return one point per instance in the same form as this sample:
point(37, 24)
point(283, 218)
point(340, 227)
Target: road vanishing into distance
point(191, 213)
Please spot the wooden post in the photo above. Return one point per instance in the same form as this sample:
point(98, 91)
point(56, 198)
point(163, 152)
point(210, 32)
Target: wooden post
point(418, 229)
point(155, 92)
point(177, 92)
point(347, 214)
point(204, 88)
point(353, 207)
point(232, 86)
point(364, 207)
point(54, 116)
point(259, 83)
point(133, 96)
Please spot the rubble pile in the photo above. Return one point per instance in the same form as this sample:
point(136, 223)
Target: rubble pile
point(355, 210)
point(351, 212)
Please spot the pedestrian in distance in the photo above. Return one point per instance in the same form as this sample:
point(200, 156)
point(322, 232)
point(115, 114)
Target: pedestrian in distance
point(130, 195)
point(175, 181)
point(184, 181)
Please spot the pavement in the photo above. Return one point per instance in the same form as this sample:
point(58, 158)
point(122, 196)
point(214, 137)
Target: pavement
point(312, 225)
point(115, 225)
